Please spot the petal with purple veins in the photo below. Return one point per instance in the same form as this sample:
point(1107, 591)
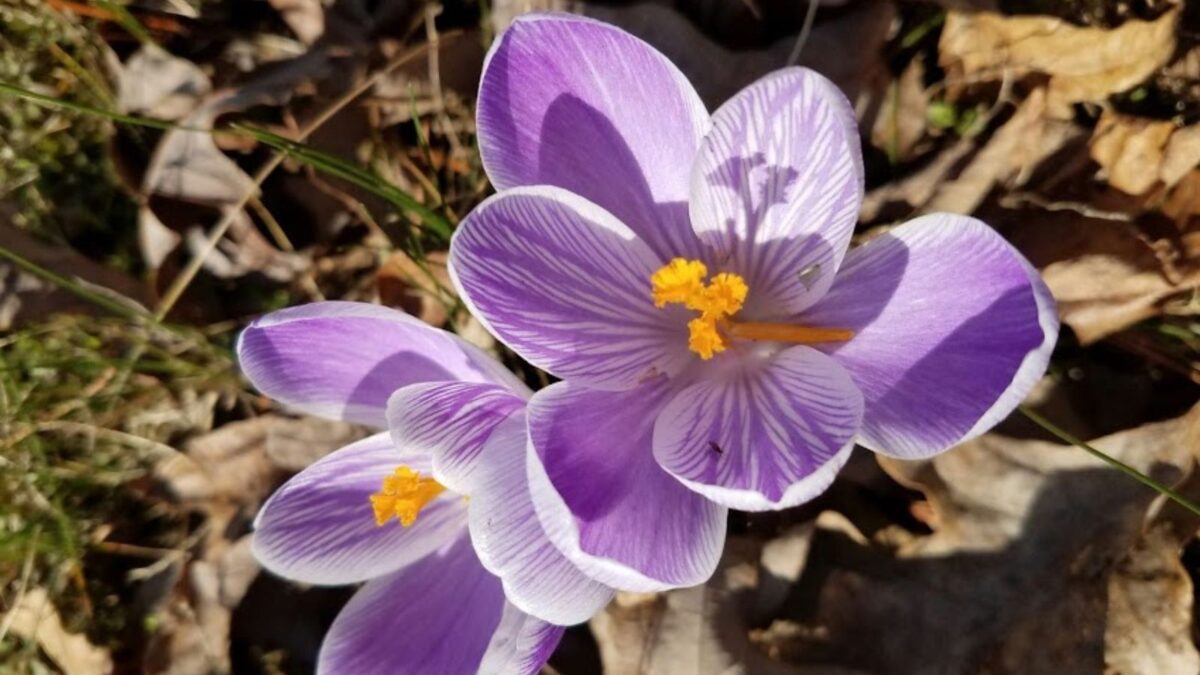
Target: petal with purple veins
point(512, 544)
point(953, 329)
point(567, 286)
point(768, 435)
point(344, 359)
point(776, 189)
point(603, 500)
point(452, 421)
point(585, 106)
point(442, 614)
point(319, 528)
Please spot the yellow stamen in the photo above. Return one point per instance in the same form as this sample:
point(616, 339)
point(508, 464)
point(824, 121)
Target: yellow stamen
point(682, 281)
point(703, 337)
point(724, 295)
point(403, 495)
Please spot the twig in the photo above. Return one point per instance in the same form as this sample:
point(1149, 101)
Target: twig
point(181, 282)
point(805, 30)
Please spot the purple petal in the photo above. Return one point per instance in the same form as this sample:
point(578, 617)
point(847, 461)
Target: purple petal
point(521, 645)
point(954, 327)
point(585, 106)
point(769, 435)
point(319, 528)
point(567, 286)
point(604, 501)
point(344, 359)
point(451, 421)
point(776, 189)
point(511, 543)
point(443, 614)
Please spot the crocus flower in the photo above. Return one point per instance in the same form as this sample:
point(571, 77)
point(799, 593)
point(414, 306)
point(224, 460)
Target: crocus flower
point(389, 511)
point(688, 278)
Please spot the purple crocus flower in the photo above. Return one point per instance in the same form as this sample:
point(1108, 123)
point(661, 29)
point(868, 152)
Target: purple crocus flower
point(390, 511)
point(688, 278)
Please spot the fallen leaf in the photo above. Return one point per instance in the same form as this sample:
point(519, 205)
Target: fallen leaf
point(421, 289)
point(1029, 537)
point(1105, 274)
point(34, 618)
point(700, 630)
point(1150, 608)
point(155, 83)
point(1132, 152)
point(1084, 63)
point(306, 18)
point(901, 121)
point(961, 176)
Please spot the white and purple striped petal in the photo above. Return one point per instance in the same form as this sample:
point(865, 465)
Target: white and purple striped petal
point(319, 527)
point(953, 329)
point(585, 106)
point(344, 359)
point(567, 286)
point(768, 435)
point(451, 422)
point(776, 189)
point(604, 501)
point(444, 614)
point(521, 644)
point(511, 543)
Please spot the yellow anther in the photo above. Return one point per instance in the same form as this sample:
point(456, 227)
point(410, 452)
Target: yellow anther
point(724, 295)
point(403, 495)
point(680, 280)
point(703, 337)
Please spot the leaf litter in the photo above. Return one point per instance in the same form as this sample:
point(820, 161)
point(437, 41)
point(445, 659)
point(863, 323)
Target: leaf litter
point(1073, 131)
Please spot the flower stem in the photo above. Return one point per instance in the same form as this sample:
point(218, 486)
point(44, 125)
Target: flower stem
point(1112, 461)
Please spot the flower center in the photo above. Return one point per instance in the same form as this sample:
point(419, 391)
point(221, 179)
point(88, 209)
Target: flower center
point(403, 495)
point(681, 281)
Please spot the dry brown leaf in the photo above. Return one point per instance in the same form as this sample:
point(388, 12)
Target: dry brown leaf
point(423, 290)
point(1150, 608)
point(306, 18)
point(1105, 274)
point(700, 630)
point(1029, 537)
point(961, 176)
point(1084, 64)
point(1138, 154)
point(35, 619)
point(901, 121)
point(154, 82)
point(187, 166)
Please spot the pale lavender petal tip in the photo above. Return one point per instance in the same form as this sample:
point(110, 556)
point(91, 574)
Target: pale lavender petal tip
point(953, 329)
point(343, 360)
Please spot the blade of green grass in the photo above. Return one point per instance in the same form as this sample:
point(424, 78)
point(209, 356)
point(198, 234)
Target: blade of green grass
point(98, 299)
point(1111, 461)
point(127, 21)
point(335, 166)
point(317, 159)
